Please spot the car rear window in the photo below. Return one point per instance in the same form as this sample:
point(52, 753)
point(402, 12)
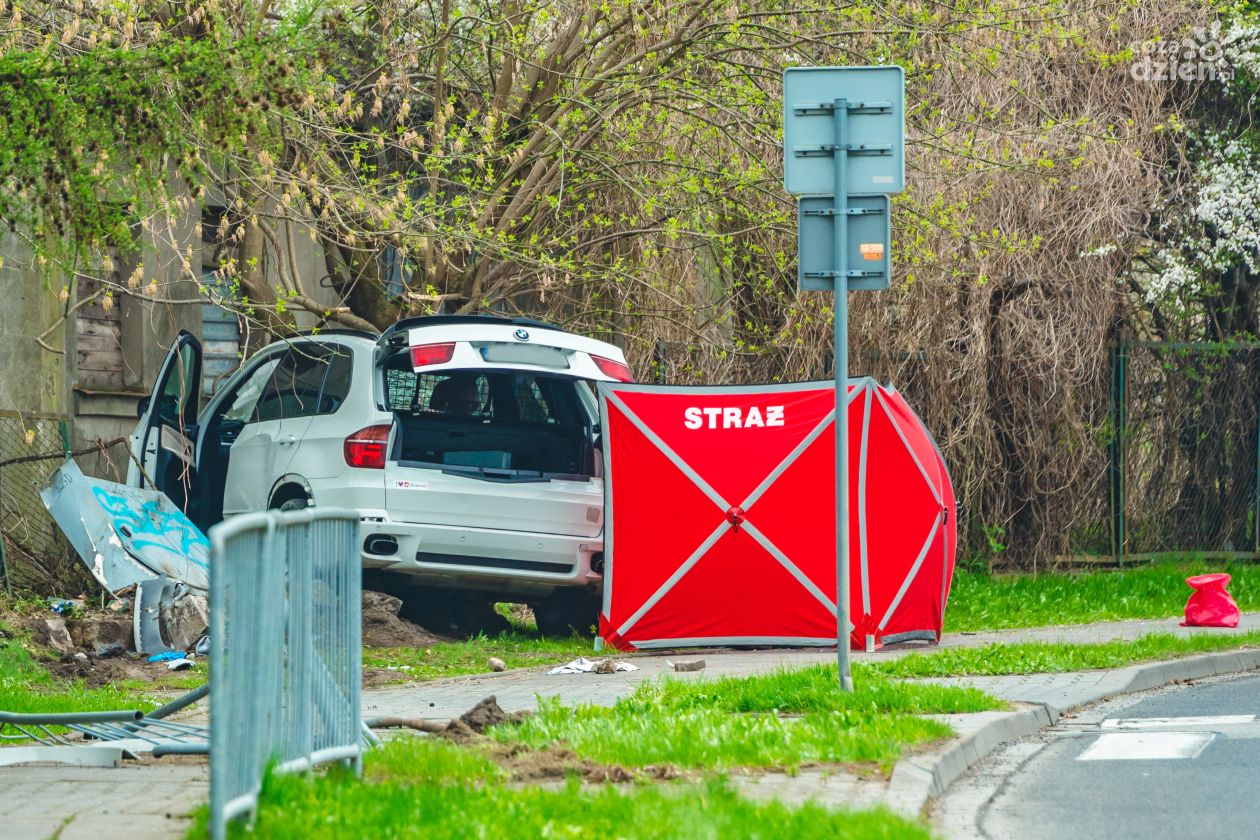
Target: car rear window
point(490, 395)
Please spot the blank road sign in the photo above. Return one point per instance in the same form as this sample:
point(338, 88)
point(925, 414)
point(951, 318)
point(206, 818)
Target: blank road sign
point(876, 138)
point(870, 240)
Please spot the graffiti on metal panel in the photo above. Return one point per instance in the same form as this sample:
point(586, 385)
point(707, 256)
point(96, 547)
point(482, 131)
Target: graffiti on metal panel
point(152, 527)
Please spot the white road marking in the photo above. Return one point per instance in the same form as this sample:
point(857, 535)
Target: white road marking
point(1146, 746)
point(1178, 722)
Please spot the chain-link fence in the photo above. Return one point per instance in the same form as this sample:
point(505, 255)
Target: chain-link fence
point(1185, 471)
point(35, 556)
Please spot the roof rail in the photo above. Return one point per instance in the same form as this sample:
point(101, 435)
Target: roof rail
point(316, 333)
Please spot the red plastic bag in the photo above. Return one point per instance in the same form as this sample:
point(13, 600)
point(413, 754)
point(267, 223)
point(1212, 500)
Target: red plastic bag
point(1210, 605)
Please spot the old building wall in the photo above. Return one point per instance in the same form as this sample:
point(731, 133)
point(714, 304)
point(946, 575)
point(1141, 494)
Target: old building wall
point(82, 391)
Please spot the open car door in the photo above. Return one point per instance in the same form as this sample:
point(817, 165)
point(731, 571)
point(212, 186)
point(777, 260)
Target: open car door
point(162, 450)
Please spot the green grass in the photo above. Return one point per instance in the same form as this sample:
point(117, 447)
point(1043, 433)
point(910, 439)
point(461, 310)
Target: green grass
point(423, 789)
point(26, 686)
point(427, 761)
point(984, 602)
point(800, 691)
point(739, 722)
point(468, 656)
point(1054, 658)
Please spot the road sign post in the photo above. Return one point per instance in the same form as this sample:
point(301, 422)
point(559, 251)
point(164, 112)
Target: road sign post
point(840, 352)
point(861, 148)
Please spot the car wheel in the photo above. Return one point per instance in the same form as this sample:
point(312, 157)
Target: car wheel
point(295, 504)
point(567, 612)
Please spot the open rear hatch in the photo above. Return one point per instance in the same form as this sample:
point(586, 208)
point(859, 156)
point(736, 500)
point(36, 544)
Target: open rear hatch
point(503, 441)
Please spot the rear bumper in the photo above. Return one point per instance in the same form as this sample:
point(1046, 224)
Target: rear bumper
point(507, 562)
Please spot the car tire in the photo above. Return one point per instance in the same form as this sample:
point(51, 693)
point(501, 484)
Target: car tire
point(294, 504)
point(568, 612)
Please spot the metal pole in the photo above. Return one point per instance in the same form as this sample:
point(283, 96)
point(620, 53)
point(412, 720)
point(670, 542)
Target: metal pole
point(68, 718)
point(840, 320)
point(180, 702)
point(1122, 448)
point(1255, 493)
point(4, 569)
point(1114, 502)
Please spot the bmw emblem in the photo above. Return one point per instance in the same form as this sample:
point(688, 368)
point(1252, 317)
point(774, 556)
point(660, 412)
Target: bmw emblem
point(521, 335)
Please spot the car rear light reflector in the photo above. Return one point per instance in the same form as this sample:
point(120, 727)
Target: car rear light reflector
point(366, 448)
point(432, 354)
point(617, 370)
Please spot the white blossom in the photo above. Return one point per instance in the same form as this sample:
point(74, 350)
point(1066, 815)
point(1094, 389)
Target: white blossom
point(1240, 49)
point(1174, 275)
point(1220, 228)
point(1100, 251)
point(1229, 203)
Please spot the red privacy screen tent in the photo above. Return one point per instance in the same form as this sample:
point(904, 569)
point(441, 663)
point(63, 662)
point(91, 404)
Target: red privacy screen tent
point(721, 511)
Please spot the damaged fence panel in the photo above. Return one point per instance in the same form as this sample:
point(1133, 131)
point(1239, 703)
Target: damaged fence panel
point(285, 651)
point(126, 535)
point(103, 738)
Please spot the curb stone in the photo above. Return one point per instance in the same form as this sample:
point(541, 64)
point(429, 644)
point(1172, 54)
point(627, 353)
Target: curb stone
point(918, 779)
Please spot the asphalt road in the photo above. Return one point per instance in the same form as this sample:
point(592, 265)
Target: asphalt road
point(1178, 763)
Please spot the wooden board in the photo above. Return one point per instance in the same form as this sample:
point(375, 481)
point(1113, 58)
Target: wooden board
point(96, 327)
point(105, 345)
point(99, 361)
point(100, 380)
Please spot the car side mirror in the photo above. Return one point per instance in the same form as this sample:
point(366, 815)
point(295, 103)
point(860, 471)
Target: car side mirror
point(142, 406)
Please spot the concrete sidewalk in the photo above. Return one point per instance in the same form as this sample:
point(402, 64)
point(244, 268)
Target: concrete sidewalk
point(519, 689)
point(132, 802)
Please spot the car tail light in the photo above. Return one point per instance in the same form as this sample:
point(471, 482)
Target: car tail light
point(432, 354)
point(366, 448)
point(617, 370)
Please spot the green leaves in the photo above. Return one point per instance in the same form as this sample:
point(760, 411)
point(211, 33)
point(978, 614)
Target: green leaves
point(83, 134)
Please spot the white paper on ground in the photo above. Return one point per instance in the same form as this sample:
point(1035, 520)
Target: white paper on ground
point(582, 665)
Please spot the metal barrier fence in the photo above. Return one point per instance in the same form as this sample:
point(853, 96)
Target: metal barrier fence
point(285, 601)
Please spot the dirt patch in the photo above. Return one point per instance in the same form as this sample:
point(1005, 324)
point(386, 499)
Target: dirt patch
point(383, 627)
point(484, 715)
point(460, 733)
point(523, 763)
point(558, 763)
point(468, 727)
point(377, 677)
point(102, 635)
point(102, 671)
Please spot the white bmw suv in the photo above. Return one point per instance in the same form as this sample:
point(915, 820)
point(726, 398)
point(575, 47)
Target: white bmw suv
point(469, 445)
